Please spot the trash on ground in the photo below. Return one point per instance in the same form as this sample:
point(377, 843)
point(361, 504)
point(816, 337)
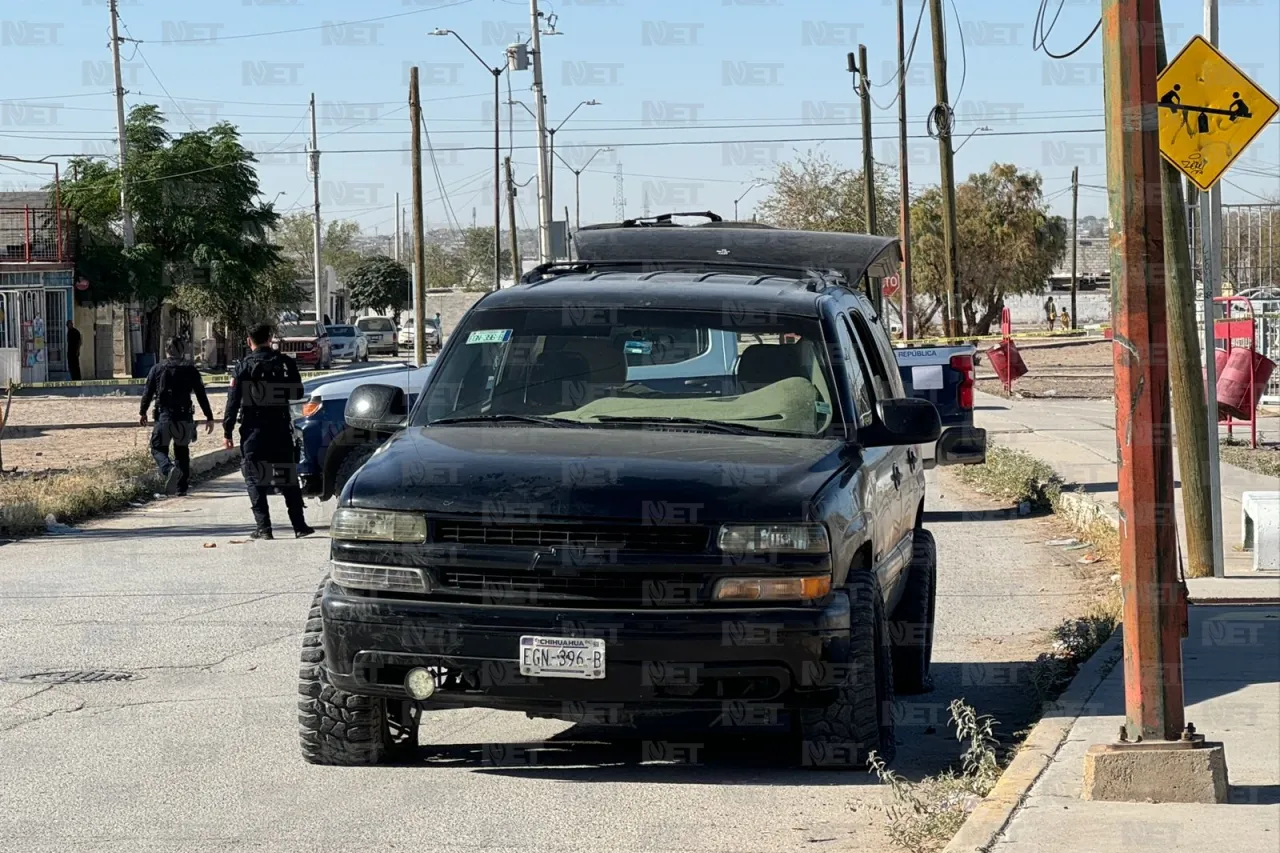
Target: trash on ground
point(1082, 545)
point(1090, 558)
point(211, 544)
point(1063, 542)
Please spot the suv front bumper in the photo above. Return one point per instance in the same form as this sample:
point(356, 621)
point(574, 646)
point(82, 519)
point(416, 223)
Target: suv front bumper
point(657, 661)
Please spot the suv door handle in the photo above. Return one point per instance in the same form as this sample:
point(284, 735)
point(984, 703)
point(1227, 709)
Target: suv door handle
point(911, 457)
point(897, 476)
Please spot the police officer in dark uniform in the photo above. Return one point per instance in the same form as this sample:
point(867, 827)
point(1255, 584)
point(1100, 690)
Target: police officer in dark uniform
point(264, 384)
point(170, 384)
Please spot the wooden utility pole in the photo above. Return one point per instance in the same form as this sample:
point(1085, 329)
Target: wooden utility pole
point(1154, 597)
point(317, 231)
point(1185, 380)
point(951, 304)
point(419, 250)
point(1075, 239)
point(859, 66)
point(516, 266)
point(904, 214)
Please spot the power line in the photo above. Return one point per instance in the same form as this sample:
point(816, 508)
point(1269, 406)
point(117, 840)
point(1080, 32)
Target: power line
point(1039, 35)
point(450, 216)
point(320, 27)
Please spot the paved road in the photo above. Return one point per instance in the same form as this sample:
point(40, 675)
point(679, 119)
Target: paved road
point(200, 752)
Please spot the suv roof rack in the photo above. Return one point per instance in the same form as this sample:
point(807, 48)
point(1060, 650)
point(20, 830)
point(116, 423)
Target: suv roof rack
point(542, 272)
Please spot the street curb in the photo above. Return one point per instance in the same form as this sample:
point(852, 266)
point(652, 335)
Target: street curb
point(206, 462)
point(994, 814)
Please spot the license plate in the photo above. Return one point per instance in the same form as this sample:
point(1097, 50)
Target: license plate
point(562, 657)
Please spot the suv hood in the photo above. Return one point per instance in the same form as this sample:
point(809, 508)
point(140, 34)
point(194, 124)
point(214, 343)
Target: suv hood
point(608, 473)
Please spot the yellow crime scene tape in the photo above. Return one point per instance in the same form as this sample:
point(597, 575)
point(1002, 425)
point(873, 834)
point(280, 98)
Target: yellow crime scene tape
point(214, 379)
point(1016, 336)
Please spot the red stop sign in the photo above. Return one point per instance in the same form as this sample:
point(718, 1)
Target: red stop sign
point(889, 285)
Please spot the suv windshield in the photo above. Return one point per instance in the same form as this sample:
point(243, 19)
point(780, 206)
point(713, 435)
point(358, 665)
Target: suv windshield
point(621, 367)
point(375, 324)
point(299, 330)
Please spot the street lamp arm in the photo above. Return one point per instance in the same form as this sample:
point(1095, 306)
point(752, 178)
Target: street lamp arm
point(467, 46)
point(566, 163)
point(523, 104)
point(747, 190)
point(593, 156)
point(590, 103)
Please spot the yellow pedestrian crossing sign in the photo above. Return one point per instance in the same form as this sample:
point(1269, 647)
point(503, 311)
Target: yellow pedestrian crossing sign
point(1209, 112)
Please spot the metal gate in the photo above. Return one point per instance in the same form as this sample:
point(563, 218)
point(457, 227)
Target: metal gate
point(56, 330)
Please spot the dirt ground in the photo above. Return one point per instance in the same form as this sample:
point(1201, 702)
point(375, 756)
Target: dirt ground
point(1080, 370)
point(60, 433)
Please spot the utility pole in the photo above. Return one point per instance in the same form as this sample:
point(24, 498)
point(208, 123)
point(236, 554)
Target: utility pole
point(398, 229)
point(1211, 274)
point(1075, 233)
point(540, 107)
point(1184, 370)
point(619, 195)
point(130, 343)
point(904, 215)
point(1154, 597)
point(516, 265)
point(419, 250)
point(859, 67)
point(950, 305)
point(315, 196)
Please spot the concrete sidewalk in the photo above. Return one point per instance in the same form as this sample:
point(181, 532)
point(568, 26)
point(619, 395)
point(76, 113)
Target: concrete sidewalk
point(1078, 439)
point(1232, 689)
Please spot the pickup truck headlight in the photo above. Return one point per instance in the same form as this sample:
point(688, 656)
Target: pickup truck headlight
point(772, 589)
point(746, 539)
point(377, 525)
point(382, 578)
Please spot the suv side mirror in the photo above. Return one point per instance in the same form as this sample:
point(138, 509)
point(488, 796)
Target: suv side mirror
point(376, 408)
point(903, 421)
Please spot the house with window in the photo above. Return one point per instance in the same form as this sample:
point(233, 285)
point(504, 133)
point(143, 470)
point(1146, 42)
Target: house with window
point(36, 285)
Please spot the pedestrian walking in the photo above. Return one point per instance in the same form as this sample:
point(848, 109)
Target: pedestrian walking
point(1065, 320)
point(73, 351)
point(264, 384)
point(170, 385)
point(1050, 311)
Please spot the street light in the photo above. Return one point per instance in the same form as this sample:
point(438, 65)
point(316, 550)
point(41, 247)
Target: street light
point(551, 145)
point(983, 129)
point(577, 186)
point(496, 71)
point(741, 197)
point(551, 137)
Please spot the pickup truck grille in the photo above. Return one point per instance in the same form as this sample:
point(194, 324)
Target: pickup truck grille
point(605, 586)
point(653, 539)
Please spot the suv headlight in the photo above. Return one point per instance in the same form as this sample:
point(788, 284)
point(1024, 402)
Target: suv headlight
point(377, 525)
point(745, 539)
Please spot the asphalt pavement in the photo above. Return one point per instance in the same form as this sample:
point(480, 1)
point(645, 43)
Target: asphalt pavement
point(198, 751)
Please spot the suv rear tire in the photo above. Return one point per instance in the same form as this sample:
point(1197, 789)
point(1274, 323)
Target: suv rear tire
point(861, 717)
point(340, 728)
point(913, 618)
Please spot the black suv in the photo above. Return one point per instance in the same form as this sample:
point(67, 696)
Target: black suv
point(687, 483)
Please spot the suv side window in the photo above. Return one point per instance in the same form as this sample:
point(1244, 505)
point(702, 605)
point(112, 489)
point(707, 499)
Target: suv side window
point(858, 376)
point(880, 381)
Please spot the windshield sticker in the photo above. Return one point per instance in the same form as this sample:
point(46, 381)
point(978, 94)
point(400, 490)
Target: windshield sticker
point(638, 347)
point(823, 407)
point(489, 336)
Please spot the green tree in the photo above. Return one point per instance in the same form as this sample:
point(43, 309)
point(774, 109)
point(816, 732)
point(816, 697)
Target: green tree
point(194, 201)
point(1007, 243)
point(816, 194)
point(476, 258)
point(295, 235)
point(379, 283)
point(444, 267)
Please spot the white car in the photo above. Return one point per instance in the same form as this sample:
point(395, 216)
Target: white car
point(433, 336)
point(349, 343)
point(381, 333)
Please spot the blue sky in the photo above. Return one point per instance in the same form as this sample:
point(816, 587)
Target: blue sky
point(698, 97)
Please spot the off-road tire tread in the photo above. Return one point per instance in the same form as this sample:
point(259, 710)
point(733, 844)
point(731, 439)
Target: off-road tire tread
point(335, 727)
point(858, 715)
point(911, 656)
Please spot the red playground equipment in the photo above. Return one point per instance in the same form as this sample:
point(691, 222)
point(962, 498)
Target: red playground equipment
point(1243, 372)
point(1006, 361)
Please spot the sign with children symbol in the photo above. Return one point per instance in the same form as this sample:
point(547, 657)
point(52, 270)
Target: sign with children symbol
point(1209, 112)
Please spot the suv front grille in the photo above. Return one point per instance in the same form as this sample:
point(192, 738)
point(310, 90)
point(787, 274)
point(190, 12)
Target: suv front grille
point(600, 585)
point(636, 538)
point(294, 346)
